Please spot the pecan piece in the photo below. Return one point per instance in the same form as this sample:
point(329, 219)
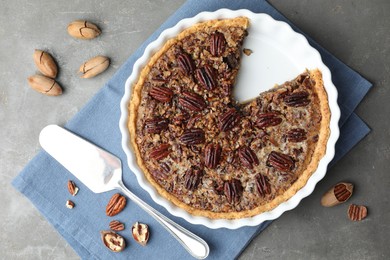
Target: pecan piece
point(186, 63)
point(280, 161)
point(192, 101)
point(228, 120)
point(297, 99)
point(165, 167)
point(212, 155)
point(206, 77)
point(161, 93)
point(248, 157)
point(72, 188)
point(180, 119)
point(116, 204)
point(159, 175)
point(116, 225)
point(160, 152)
point(192, 178)
point(233, 190)
point(296, 135)
point(69, 204)
point(217, 44)
point(356, 212)
point(156, 125)
point(268, 119)
point(192, 136)
point(262, 184)
point(113, 241)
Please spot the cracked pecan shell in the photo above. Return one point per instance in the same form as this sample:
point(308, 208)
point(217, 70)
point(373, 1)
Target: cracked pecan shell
point(113, 241)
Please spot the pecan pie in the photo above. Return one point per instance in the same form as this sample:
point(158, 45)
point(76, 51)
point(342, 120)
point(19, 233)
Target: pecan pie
point(207, 153)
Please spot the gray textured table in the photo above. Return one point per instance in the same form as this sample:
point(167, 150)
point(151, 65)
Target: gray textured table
point(357, 32)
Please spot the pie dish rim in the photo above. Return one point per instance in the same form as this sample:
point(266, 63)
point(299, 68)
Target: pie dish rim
point(227, 223)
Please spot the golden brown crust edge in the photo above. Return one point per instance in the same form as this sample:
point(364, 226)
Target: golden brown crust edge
point(302, 180)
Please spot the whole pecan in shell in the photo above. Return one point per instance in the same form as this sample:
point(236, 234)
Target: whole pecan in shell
point(193, 136)
point(280, 161)
point(212, 155)
point(116, 204)
point(228, 120)
point(217, 44)
point(160, 152)
point(206, 77)
point(192, 101)
point(186, 63)
point(233, 190)
point(248, 157)
point(268, 119)
point(296, 135)
point(262, 184)
point(297, 99)
point(192, 178)
point(156, 124)
point(161, 93)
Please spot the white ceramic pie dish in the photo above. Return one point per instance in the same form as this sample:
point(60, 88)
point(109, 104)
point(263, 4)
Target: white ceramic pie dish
point(279, 54)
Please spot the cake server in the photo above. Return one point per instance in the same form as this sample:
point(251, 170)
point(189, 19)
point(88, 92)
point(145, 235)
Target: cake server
point(101, 171)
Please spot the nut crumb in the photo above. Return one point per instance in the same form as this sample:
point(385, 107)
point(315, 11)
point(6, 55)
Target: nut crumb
point(247, 52)
point(69, 204)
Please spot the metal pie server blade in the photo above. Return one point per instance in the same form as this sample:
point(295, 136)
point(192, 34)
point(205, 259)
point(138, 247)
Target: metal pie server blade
point(101, 171)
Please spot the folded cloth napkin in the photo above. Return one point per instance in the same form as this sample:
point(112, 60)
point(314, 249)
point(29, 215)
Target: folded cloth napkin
point(44, 181)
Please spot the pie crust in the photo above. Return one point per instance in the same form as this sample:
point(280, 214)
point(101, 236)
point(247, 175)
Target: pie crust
point(217, 163)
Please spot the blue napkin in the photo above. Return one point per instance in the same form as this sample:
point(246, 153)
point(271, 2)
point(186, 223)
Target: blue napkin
point(44, 181)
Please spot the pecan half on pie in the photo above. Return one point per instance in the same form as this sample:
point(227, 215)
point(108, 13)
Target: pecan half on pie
point(205, 152)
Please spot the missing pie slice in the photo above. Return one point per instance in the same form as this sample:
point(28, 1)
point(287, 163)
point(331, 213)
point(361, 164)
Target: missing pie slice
point(205, 152)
